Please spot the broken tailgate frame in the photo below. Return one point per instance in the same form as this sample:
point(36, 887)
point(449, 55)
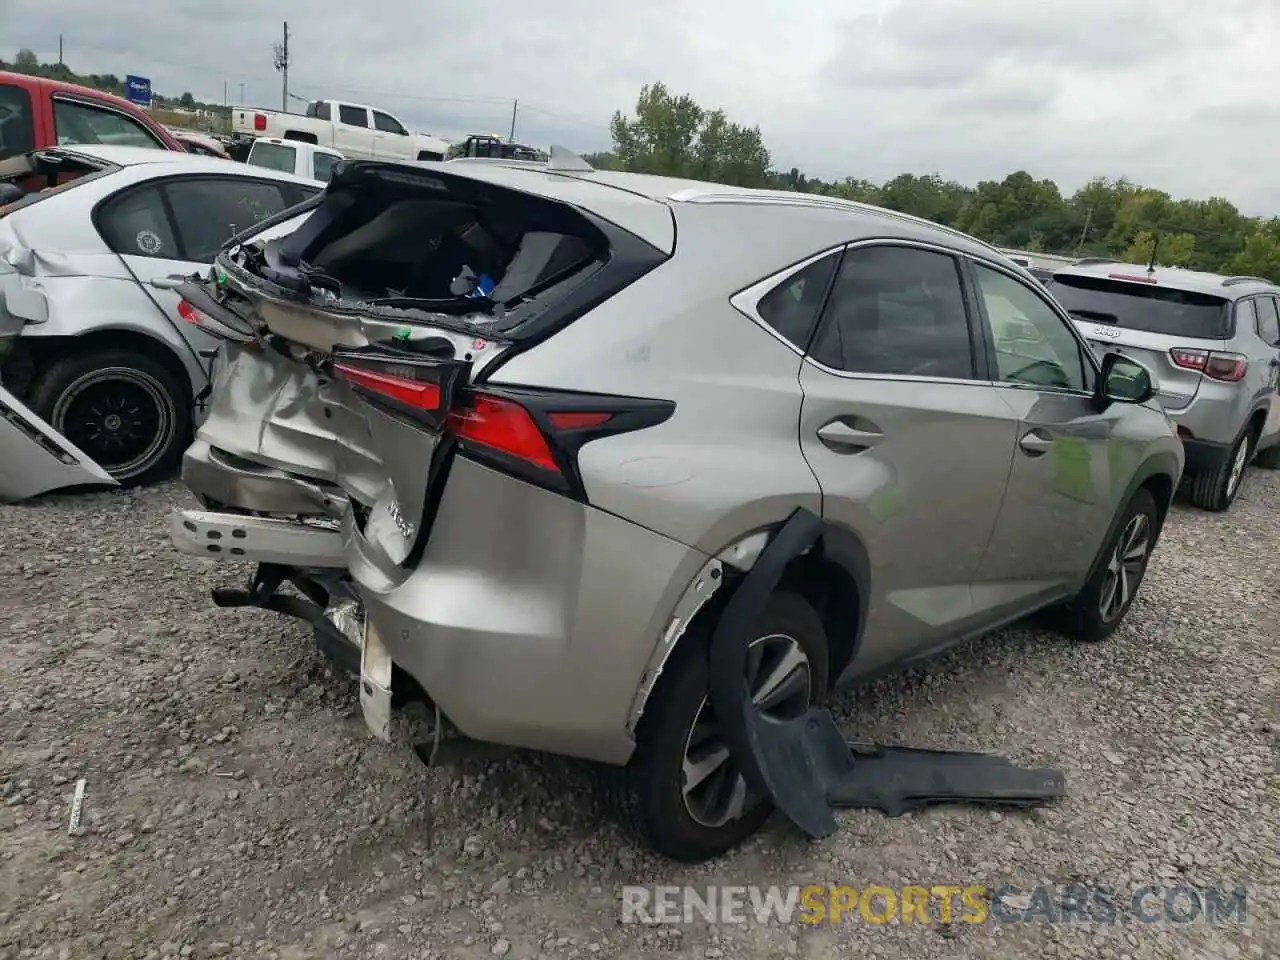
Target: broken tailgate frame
point(805, 766)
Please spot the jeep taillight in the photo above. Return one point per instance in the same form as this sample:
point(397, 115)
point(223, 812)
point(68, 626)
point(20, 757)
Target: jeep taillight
point(1228, 367)
point(259, 121)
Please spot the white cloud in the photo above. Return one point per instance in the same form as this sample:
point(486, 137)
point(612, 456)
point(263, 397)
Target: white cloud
point(1178, 94)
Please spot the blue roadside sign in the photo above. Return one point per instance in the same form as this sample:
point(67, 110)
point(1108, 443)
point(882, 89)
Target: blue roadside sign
point(138, 90)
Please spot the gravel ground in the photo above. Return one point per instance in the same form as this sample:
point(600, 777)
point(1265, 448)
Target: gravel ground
point(236, 806)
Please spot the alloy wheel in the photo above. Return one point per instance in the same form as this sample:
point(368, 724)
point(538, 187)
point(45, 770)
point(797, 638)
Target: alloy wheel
point(119, 416)
point(1125, 567)
point(1237, 467)
point(781, 685)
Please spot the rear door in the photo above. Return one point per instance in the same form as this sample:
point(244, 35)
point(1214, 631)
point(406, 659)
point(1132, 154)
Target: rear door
point(908, 439)
point(176, 225)
point(1070, 464)
point(1147, 321)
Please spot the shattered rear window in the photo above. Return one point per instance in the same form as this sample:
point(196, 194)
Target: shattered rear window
point(414, 249)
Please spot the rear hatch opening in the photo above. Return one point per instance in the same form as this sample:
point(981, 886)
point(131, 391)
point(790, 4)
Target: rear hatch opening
point(1179, 334)
point(407, 287)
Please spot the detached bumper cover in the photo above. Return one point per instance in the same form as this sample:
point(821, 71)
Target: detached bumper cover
point(36, 459)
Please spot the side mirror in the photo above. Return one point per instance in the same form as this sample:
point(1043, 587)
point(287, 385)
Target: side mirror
point(1124, 380)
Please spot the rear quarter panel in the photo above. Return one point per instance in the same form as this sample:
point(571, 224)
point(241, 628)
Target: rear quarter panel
point(728, 462)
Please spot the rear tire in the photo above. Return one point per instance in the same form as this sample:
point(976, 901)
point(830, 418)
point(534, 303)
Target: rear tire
point(1105, 600)
point(1216, 489)
point(648, 796)
point(124, 409)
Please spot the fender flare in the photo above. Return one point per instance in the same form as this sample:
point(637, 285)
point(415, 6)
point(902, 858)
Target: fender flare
point(1163, 463)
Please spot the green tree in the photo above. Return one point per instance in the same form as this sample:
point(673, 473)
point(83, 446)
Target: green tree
point(1175, 250)
point(187, 100)
point(1259, 255)
point(26, 61)
point(674, 136)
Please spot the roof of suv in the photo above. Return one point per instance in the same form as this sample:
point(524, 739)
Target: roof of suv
point(1175, 278)
point(541, 178)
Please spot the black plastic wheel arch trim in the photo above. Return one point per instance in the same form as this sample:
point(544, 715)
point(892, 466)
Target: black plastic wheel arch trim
point(805, 766)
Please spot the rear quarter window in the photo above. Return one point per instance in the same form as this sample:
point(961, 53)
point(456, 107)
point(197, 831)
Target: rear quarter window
point(1148, 308)
point(273, 156)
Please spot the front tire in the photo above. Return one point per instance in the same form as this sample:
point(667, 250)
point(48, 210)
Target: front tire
point(1101, 606)
point(681, 794)
point(1216, 489)
point(125, 410)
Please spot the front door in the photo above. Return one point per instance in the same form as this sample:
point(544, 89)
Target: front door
point(1069, 464)
point(390, 139)
point(909, 442)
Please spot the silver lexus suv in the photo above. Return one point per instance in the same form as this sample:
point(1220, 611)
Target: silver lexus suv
point(1213, 343)
point(517, 434)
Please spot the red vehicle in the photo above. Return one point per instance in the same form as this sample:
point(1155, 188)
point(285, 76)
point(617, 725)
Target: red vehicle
point(36, 113)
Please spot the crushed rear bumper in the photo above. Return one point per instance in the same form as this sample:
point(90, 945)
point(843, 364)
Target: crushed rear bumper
point(36, 459)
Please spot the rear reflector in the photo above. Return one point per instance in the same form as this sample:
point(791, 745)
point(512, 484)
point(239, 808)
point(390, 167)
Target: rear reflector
point(1228, 367)
point(1130, 277)
point(505, 427)
point(412, 393)
point(259, 122)
point(577, 419)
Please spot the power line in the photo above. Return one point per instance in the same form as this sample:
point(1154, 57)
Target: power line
point(280, 52)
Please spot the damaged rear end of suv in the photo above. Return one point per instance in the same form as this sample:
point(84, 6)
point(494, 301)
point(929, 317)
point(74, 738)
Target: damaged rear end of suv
point(359, 331)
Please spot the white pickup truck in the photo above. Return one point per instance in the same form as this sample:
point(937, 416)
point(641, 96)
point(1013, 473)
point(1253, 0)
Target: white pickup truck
point(352, 129)
point(294, 156)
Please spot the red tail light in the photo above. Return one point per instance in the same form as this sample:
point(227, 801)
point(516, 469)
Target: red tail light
point(531, 434)
point(505, 427)
point(259, 121)
point(1228, 367)
point(418, 394)
point(197, 318)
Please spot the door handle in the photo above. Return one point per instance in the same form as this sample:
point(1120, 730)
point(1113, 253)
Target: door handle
point(837, 433)
point(165, 283)
point(1035, 444)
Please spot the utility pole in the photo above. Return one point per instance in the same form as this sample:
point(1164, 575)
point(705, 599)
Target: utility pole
point(1088, 218)
point(225, 101)
point(59, 49)
point(282, 64)
point(242, 93)
point(515, 105)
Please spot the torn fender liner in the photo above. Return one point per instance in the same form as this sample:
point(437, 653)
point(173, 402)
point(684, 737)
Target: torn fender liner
point(805, 766)
point(35, 458)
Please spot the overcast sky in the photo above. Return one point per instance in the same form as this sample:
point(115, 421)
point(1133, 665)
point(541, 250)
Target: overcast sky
point(1183, 95)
